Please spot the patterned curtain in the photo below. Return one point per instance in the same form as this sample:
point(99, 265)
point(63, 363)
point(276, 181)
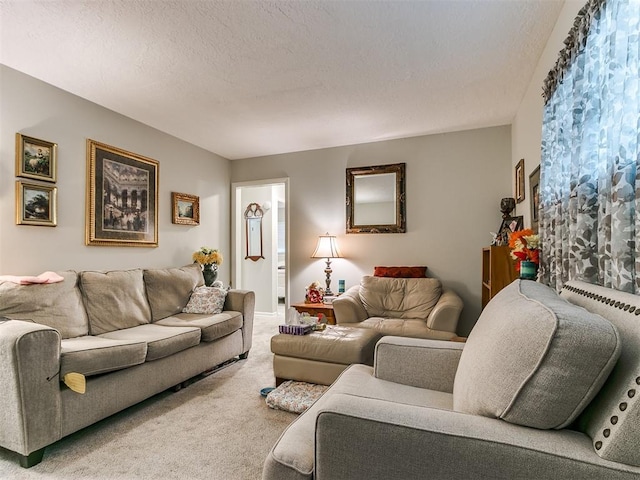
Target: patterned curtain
point(590, 175)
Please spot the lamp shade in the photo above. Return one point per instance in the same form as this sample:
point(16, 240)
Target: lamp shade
point(327, 247)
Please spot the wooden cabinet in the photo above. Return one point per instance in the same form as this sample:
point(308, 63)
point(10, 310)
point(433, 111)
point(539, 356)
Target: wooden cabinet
point(498, 271)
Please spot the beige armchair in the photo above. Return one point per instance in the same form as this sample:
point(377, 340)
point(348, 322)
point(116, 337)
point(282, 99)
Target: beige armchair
point(404, 307)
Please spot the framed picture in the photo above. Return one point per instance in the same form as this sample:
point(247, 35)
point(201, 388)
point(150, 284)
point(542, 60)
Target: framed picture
point(185, 209)
point(520, 181)
point(534, 197)
point(508, 225)
point(122, 198)
point(35, 158)
point(36, 204)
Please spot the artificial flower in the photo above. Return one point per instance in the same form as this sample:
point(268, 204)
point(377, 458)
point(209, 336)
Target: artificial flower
point(525, 246)
point(207, 256)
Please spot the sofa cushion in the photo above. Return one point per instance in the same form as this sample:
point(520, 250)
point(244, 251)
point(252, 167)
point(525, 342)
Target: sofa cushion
point(57, 305)
point(212, 326)
point(91, 355)
point(209, 300)
point(402, 328)
point(402, 298)
point(114, 300)
point(400, 272)
point(534, 359)
point(168, 289)
point(161, 341)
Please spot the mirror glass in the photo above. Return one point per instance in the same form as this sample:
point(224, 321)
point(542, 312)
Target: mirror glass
point(253, 219)
point(376, 199)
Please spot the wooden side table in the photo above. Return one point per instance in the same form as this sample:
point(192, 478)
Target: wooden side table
point(314, 309)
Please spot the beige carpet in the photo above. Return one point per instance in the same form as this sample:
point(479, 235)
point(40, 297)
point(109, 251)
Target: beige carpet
point(217, 428)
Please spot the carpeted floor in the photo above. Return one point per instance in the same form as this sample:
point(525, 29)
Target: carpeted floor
point(217, 428)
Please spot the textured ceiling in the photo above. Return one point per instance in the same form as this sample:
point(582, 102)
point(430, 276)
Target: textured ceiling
point(249, 78)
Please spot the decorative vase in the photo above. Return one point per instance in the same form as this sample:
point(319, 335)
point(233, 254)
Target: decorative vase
point(528, 270)
point(506, 206)
point(210, 273)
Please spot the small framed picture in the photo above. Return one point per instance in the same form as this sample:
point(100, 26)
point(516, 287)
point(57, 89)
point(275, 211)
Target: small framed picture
point(534, 197)
point(507, 227)
point(185, 209)
point(35, 158)
point(520, 181)
point(36, 204)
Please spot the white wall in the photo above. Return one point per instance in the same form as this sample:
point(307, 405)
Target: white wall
point(37, 109)
point(454, 185)
point(526, 130)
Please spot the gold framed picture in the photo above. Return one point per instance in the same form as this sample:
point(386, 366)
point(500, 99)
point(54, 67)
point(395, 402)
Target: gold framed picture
point(36, 204)
point(122, 197)
point(185, 209)
point(36, 158)
point(534, 197)
point(520, 181)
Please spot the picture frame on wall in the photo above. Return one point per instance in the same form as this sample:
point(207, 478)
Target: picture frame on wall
point(36, 204)
point(185, 209)
point(122, 197)
point(534, 197)
point(508, 226)
point(520, 181)
point(35, 158)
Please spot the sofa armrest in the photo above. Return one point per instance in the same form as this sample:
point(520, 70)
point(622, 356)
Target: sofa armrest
point(29, 386)
point(243, 301)
point(418, 362)
point(348, 308)
point(446, 313)
point(358, 437)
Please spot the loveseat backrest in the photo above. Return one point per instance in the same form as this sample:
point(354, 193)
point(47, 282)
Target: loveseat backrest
point(58, 305)
point(612, 419)
point(399, 298)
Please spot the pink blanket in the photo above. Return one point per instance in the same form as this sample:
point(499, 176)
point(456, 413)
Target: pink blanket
point(46, 277)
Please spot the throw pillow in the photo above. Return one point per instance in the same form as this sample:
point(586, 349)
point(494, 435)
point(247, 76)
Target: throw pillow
point(400, 272)
point(534, 359)
point(209, 300)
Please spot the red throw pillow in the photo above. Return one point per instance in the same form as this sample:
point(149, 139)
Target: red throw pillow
point(400, 272)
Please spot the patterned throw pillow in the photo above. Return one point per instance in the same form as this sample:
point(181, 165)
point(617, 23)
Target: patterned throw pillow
point(208, 300)
point(400, 272)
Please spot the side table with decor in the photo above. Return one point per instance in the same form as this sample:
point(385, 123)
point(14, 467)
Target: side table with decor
point(314, 309)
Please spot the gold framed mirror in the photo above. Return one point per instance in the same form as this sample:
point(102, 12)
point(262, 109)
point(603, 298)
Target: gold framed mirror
point(253, 218)
point(376, 199)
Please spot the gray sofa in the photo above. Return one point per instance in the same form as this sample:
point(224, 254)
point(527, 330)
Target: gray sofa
point(122, 329)
point(546, 387)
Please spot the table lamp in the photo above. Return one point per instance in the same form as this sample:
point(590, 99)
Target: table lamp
point(327, 248)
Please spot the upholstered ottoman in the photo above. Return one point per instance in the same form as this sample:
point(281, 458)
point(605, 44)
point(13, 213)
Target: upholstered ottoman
point(319, 357)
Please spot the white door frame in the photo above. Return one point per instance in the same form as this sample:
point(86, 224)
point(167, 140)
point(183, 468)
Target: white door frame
point(236, 230)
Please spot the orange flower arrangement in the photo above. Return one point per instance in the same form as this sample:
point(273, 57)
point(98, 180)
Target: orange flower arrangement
point(525, 246)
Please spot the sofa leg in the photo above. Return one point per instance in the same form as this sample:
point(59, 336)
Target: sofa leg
point(279, 381)
point(34, 458)
point(244, 356)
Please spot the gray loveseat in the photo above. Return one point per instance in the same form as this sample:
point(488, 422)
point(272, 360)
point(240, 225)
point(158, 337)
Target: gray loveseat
point(546, 387)
point(122, 329)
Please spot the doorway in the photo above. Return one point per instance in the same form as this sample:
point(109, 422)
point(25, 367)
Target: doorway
point(266, 274)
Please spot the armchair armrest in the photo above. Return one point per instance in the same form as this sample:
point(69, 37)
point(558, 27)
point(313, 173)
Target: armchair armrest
point(446, 313)
point(358, 437)
point(348, 308)
point(30, 386)
point(418, 362)
point(243, 301)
